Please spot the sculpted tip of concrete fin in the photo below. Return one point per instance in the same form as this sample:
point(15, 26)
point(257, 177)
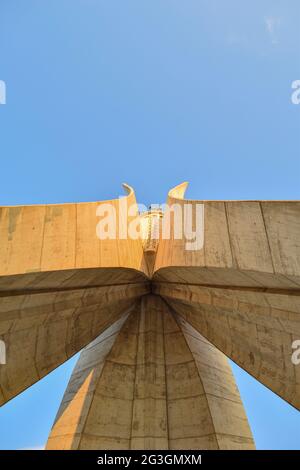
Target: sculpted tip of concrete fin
point(178, 191)
point(128, 189)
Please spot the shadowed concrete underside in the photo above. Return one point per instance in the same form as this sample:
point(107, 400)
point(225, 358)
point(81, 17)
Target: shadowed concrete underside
point(150, 381)
point(156, 327)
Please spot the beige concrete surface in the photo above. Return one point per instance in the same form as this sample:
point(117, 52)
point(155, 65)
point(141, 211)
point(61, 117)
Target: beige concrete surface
point(151, 381)
point(156, 327)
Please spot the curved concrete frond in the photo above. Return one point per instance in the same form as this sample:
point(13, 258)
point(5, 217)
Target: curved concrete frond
point(156, 324)
point(254, 329)
point(61, 237)
point(43, 330)
point(129, 190)
point(178, 191)
point(151, 382)
point(249, 244)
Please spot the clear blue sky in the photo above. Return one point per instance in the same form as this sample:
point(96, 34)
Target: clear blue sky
point(153, 93)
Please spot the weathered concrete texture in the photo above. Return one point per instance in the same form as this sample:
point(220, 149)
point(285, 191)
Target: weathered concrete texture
point(43, 330)
point(151, 382)
point(60, 286)
point(154, 372)
point(246, 243)
point(61, 239)
point(242, 289)
point(254, 329)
